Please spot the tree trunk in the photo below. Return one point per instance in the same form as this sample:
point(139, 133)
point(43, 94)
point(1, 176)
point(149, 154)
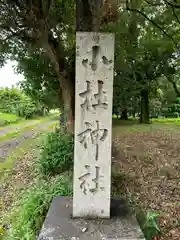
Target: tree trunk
point(134, 113)
point(124, 115)
point(68, 104)
point(83, 16)
point(144, 117)
point(65, 75)
point(88, 15)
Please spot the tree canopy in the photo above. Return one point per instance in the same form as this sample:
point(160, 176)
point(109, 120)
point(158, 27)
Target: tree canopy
point(40, 36)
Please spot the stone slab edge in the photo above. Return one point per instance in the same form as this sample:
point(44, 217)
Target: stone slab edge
point(59, 224)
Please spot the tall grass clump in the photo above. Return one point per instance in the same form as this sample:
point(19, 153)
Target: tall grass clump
point(29, 213)
point(56, 155)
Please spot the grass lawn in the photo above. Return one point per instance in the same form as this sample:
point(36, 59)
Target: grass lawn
point(175, 121)
point(148, 159)
point(6, 119)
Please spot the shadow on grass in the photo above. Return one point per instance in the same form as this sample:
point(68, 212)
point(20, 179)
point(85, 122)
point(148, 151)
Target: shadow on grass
point(130, 126)
point(119, 122)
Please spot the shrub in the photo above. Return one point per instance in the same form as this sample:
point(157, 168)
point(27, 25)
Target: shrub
point(27, 110)
point(16, 102)
point(176, 114)
point(150, 227)
point(56, 154)
point(149, 224)
point(28, 216)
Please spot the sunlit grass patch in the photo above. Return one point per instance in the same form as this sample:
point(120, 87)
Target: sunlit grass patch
point(6, 118)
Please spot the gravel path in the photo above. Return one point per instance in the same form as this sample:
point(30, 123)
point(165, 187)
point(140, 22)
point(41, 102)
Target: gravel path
point(7, 146)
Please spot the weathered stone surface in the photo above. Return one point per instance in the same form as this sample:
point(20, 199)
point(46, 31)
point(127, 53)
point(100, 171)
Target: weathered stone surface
point(93, 123)
point(59, 224)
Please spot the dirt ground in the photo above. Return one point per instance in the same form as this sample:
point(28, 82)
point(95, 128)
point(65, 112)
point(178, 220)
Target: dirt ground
point(150, 160)
point(22, 175)
point(21, 178)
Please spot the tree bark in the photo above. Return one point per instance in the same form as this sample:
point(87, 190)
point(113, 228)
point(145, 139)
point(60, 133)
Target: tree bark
point(144, 117)
point(87, 19)
point(66, 77)
point(67, 88)
point(88, 15)
point(83, 16)
point(124, 115)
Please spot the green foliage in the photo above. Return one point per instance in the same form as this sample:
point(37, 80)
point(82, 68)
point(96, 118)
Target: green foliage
point(16, 102)
point(6, 119)
point(143, 52)
point(173, 110)
point(171, 121)
point(9, 98)
point(150, 226)
point(177, 100)
point(176, 114)
point(39, 64)
point(29, 214)
point(149, 223)
point(167, 113)
point(27, 109)
point(56, 154)
point(40, 81)
point(155, 107)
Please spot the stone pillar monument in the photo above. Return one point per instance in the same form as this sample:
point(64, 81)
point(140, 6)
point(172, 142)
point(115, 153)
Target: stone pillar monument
point(69, 219)
point(93, 124)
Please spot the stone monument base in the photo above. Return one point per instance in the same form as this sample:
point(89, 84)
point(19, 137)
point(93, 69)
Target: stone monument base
point(59, 224)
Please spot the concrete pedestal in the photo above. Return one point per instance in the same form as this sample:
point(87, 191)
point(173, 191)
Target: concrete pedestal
point(59, 224)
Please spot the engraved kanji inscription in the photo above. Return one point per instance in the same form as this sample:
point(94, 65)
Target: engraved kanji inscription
point(85, 62)
point(93, 136)
point(101, 96)
point(106, 61)
point(86, 180)
point(88, 97)
point(83, 179)
point(91, 100)
point(97, 59)
point(98, 135)
point(96, 181)
point(85, 136)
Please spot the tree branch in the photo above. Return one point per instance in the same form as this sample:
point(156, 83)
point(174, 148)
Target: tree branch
point(174, 12)
point(152, 21)
point(7, 28)
point(171, 4)
point(153, 4)
point(176, 16)
point(177, 91)
point(48, 7)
